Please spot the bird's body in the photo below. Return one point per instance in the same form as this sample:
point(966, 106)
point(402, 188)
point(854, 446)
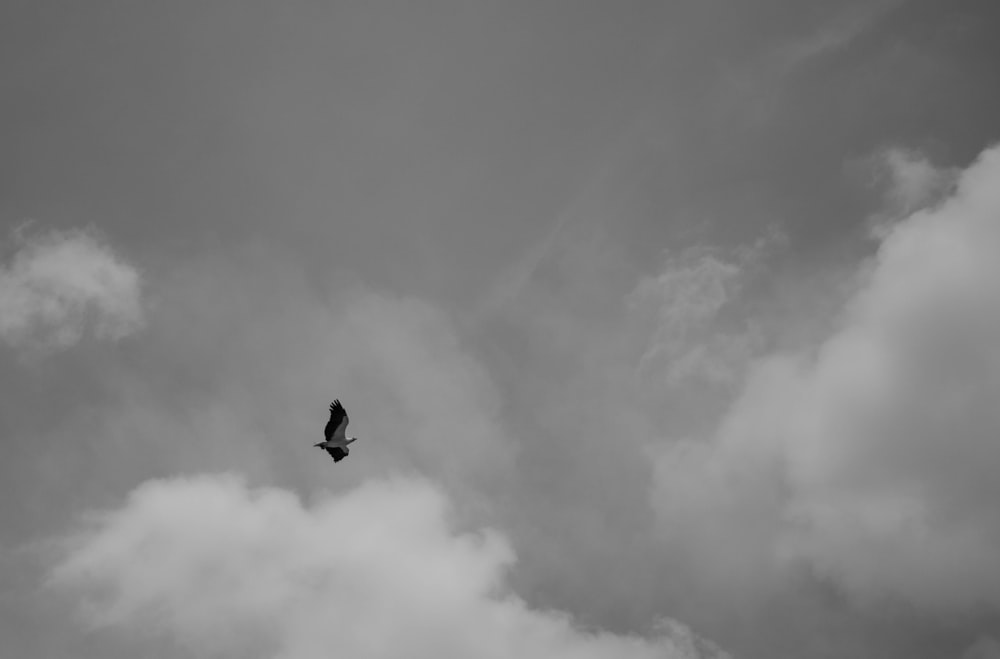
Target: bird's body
point(335, 433)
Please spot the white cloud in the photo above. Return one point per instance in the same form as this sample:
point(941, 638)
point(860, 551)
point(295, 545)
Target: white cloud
point(894, 449)
point(59, 285)
point(873, 459)
point(914, 180)
point(376, 572)
point(910, 183)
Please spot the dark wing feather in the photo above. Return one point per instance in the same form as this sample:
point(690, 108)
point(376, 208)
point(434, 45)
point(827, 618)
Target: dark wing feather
point(338, 415)
point(337, 453)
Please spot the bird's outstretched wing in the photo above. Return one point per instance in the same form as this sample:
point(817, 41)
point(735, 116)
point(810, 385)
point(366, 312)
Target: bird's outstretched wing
point(337, 453)
point(338, 421)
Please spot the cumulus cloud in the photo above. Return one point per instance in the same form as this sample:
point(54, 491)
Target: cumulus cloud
point(375, 572)
point(894, 452)
point(872, 459)
point(863, 461)
point(59, 285)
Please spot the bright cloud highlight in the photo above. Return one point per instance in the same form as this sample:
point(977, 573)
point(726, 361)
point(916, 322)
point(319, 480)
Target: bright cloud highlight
point(871, 460)
point(377, 572)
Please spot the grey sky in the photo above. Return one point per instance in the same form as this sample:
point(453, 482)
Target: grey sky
point(689, 305)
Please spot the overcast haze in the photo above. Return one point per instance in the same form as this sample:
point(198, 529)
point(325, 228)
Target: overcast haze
point(668, 329)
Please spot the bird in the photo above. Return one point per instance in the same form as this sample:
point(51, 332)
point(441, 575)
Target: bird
point(336, 439)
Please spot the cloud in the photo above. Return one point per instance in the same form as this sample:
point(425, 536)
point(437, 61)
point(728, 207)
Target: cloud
point(686, 299)
point(375, 572)
point(59, 285)
point(914, 181)
point(894, 456)
point(871, 460)
point(753, 86)
point(825, 492)
point(685, 319)
point(910, 183)
point(240, 360)
point(834, 36)
point(984, 648)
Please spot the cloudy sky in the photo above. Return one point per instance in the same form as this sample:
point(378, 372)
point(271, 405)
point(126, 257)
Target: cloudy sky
point(669, 329)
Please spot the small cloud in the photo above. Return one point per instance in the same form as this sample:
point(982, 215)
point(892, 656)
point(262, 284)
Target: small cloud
point(58, 286)
point(680, 314)
point(909, 182)
point(683, 303)
point(375, 572)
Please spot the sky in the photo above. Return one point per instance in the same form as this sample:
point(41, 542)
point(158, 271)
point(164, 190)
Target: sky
point(667, 329)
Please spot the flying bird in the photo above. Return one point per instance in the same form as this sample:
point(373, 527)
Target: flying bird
point(336, 441)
